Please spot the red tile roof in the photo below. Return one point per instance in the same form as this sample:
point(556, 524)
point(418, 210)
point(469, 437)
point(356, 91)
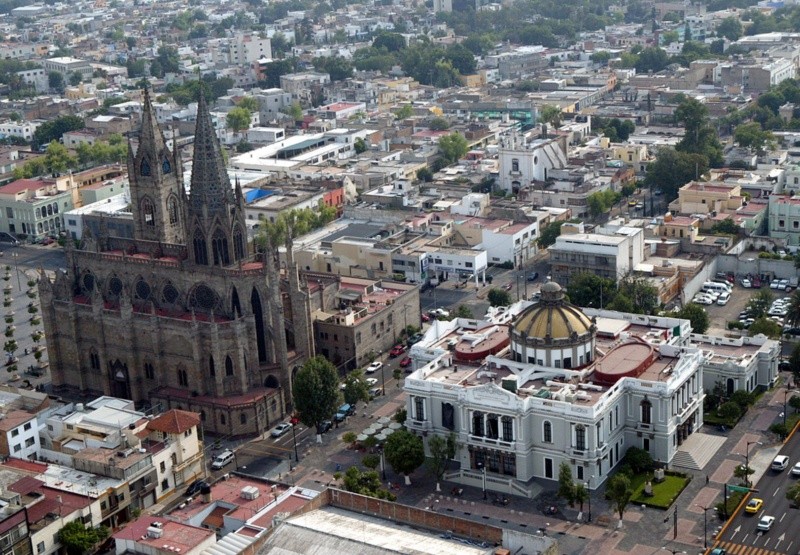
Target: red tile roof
point(22, 185)
point(174, 422)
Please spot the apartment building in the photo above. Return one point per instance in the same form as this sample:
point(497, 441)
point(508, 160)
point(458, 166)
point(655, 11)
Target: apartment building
point(609, 256)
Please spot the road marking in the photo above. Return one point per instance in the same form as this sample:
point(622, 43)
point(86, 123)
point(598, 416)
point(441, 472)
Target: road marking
point(780, 539)
point(776, 492)
point(782, 517)
point(736, 531)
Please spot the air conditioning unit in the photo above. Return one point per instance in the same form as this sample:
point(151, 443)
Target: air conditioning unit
point(153, 532)
point(250, 492)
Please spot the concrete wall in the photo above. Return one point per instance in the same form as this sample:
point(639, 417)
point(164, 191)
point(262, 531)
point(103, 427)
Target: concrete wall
point(783, 269)
point(691, 287)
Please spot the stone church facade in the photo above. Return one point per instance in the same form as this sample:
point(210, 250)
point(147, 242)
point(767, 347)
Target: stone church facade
point(185, 314)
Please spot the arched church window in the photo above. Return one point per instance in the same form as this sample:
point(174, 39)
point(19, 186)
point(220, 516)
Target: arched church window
point(144, 168)
point(166, 167)
point(228, 366)
point(238, 243)
point(219, 244)
point(172, 208)
point(148, 212)
point(200, 253)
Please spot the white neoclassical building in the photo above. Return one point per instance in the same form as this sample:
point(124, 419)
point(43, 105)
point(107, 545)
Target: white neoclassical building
point(555, 385)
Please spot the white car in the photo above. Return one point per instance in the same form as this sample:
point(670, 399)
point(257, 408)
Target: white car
point(774, 284)
point(746, 284)
point(723, 299)
point(280, 429)
point(703, 299)
point(765, 523)
point(371, 381)
point(440, 312)
point(374, 367)
point(796, 469)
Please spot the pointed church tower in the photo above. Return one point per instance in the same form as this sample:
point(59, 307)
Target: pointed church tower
point(156, 182)
point(215, 226)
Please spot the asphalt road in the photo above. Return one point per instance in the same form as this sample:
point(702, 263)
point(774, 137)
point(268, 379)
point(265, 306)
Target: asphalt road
point(784, 537)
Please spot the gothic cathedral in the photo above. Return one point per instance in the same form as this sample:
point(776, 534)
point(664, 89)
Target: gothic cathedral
point(184, 315)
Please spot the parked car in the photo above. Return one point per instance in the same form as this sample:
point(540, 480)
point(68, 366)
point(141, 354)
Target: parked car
point(746, 283)
point(195, 487)
point(375, 392)
point(440, 312)
point(718, 551)
point(796, 469)
point(406, 362)
point(533, 276)
point(222, 460)
point(397, 350)
point(324, 426)
point(416, 338)
point(703, 299)
point(371, 381)
point(280, 429)
point(425, 318)
point(374, 367)
point(723, 299)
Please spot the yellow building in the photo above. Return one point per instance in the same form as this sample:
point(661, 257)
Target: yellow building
point(707, 198)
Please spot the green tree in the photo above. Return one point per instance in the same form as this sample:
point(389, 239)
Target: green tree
point(750, 135)
point(315, 392)
point(441, 450)
point(54, 129)
point(794, 363)
point(392, 42)
point(295, 111)
point(729, 411)
point(566, 485)
point(673, 169)
point(765, 326)
point(405, 111)
point(760, 302)
point(438, 124)
point(643, 295)
point(652, 59)
point(57, 159)
point(697, 315)
point(639, 460)
point(168, 60)
point(551, 115)
point(463, 311)
point(743, 473)
point(365, 483)
point(77, 539)
point(55, 81)
point(238, 119)
point(726, 227)
point(360, 145)
point(549, 234)
point(405, 452)
point(581, 495)
point(730, 28)
point(793, 494)
point(249, 103)
point(337, 67)
point(461, 59)
point(793, 310)
point(699, 137)
point(589, 289)
point(619, 492)
point(794, 402)
point(453, 147)
point(75, 78)
point(601, 57)
point(498, 297)
point(355, 388)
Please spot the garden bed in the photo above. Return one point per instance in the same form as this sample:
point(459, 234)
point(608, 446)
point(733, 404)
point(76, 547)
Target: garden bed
point(664, 493)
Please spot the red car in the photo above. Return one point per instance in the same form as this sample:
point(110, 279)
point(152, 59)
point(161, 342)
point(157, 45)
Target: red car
point(405, 362)
point(425, 317)
point(397, 350)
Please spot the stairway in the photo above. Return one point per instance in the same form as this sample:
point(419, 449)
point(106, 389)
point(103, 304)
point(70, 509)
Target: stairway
point(697, 450)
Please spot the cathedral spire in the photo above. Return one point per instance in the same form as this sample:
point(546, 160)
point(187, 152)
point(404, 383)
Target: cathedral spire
point(151, 134)
point(211, 187)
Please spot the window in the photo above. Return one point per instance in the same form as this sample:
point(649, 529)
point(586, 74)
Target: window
point(781, 223)
point(144, 168)
point(548, 468)
point(547, 435)
point(9, 213)
point(183, 378)
point(164, 484)
point(238, 244)
point(40, 547)
point(200, 252)
point(477, 423)
point(211, 369)
point(219, 246)
point(419, 408)
point(149, 371)
point(29, 442)
point(166, 167)
point(172, 208)
point(17, 448)
point(228, 366)
point(104, 505)
point(491, 427)
point(580, 437)
point(509, 464)
point(448, 416)
point(163, 466)
point(646, 411)
point(795, 224)
point(580, 473)
point(515, 165)
point(148, 213)
point(243, 418)
point(508, 429)
point(222, 419)
point(15, 433)
point(94, 360)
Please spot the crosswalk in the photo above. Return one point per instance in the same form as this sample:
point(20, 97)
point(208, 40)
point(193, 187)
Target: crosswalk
point(739, 549)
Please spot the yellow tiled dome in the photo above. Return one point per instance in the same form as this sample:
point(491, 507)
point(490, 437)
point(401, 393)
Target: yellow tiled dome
point(552, 317)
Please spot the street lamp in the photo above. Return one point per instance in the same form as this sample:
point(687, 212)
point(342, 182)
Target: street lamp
point(589, 497)
point(747, 461)
point(705, 524)
point(294, 422)
point(482, 466)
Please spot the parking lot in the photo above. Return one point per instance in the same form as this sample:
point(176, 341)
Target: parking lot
point(740, 297)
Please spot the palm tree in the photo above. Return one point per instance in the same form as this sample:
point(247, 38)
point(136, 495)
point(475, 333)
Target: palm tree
point(793, 312)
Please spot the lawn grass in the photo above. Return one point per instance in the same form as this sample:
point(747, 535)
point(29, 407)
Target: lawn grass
point(664, 494)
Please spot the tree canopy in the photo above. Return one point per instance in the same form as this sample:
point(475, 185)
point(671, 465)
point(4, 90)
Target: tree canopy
point(673, 169)
point(405, 452)
point(549, 234)
point(316, 391)
point(498, 297)
point(453, 147)
point(619, 492)
point(589, 289)
point(54, 129)
point(77, 539)
point(697, 315)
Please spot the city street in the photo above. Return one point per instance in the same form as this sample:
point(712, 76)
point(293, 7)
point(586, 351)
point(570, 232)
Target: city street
point(741, 533)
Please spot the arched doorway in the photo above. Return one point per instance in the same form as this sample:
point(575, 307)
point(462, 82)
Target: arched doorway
point(272, 382)
point(120, 382)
